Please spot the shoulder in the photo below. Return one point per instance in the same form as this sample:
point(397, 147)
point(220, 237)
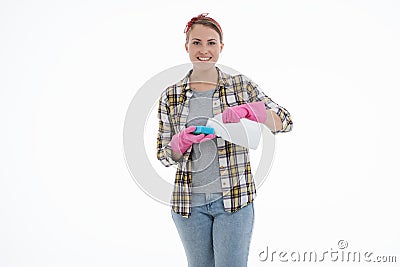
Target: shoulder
point(173, 91)
point(235, 80)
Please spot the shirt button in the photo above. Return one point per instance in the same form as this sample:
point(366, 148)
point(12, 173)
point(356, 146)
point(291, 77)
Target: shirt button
point(215, 103)
point(224, 183)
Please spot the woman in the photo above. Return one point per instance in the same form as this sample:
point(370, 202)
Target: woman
point(212, 200)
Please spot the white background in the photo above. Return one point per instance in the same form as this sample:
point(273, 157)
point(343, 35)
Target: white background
point(69, 69)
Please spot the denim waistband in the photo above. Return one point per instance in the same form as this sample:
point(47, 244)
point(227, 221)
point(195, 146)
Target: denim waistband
point(205, 198)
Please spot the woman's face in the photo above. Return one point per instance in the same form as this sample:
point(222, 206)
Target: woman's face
point(203, 46)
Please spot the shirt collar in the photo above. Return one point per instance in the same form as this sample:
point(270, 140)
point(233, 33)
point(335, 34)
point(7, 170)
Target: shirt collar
point(222, 80)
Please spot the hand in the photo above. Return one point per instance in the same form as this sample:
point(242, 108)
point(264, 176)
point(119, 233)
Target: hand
point(181, 141)
point(254, 111)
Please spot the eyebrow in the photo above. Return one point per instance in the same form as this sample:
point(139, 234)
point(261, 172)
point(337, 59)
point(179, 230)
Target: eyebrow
point(207, 40)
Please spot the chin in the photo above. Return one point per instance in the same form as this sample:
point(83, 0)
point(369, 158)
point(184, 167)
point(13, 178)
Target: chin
point(203, 65)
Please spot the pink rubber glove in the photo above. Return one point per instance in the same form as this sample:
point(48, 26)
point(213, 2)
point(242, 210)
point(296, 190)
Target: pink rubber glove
point(254, 111)
point(181, 141)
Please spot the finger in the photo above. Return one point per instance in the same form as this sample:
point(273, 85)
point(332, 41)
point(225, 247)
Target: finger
point(190, 129)
point(225, 116)
point(208, 137)
point(229, 118)
point(235, 119)
point(197, 138)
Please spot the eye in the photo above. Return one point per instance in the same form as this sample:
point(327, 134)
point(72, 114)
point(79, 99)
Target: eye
point(196, 42)
point(212, 43)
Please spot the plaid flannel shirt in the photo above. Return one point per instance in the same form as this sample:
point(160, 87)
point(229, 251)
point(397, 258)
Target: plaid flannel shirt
point(236, 177)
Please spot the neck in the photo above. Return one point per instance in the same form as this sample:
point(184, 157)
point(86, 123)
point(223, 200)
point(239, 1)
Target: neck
point(207, 76)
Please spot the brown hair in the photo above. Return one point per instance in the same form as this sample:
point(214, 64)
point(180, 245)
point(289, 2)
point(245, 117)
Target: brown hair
point(202, 19)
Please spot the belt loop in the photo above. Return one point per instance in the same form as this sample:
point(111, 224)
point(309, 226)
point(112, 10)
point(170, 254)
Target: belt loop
point(208, 197)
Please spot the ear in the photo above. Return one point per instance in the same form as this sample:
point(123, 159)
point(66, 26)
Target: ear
point(186, 47)
point(221, 47)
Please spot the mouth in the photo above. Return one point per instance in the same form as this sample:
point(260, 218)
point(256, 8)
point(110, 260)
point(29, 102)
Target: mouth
point(204, 58)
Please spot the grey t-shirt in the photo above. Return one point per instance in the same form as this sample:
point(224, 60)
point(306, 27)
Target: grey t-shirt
point(205, 164)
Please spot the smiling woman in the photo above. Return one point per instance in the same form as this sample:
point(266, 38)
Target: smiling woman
point(204, 44)
point(214, 189)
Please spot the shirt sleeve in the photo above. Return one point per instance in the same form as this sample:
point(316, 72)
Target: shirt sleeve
point(165, 133)
point(255, 94)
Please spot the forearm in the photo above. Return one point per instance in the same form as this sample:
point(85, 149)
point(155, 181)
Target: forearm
point(273, 121)
point(176, 156)
point(278, 118)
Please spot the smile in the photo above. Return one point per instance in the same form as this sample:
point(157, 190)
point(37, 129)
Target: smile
point(204, 58)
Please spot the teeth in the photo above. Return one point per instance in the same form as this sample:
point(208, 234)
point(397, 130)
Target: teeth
point(204, 58)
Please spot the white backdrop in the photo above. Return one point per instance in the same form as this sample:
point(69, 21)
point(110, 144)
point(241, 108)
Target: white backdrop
point(69, 70)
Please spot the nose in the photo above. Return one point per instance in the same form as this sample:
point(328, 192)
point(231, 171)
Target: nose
point(204, 50)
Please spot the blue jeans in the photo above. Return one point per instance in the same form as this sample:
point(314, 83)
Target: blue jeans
point(213, 237)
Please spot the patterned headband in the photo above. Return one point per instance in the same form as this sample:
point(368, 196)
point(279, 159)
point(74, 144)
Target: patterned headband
point(201, 16)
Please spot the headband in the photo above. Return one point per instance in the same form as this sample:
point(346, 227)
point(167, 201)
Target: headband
point(201, 16)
